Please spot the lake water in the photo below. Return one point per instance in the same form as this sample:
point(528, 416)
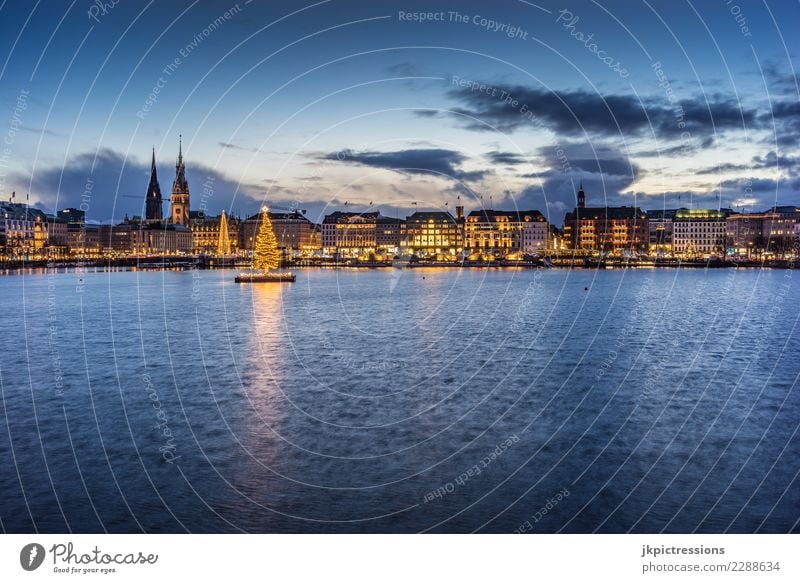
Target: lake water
point(401, 401)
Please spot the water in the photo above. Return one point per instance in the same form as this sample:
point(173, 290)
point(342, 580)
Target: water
point(401, 401)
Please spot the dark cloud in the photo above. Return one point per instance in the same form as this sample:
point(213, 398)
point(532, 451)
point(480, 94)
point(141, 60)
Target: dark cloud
point(788, 165)
point(42, 131)
point(229, 146)
point(724, 167)
point(427, 112)
point(506, 158)
point(612, 166)
point(742, 185)
point(436, 161)
point(779, 79)
point(575, 112)
point(784, 121)
point(118, 186)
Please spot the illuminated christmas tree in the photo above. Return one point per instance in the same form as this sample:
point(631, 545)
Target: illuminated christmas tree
point(265, 254)
point(224, 242)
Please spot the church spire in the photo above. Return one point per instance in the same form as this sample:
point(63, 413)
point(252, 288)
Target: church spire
point(153, 202)
point(581, 196)
point(180, 185)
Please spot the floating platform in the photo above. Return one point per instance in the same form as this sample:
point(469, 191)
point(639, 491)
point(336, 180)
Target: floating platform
point(265, 277)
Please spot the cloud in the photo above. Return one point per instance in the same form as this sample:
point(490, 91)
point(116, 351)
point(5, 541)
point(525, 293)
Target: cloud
point(506, 158)
point(229, 146)
point(750, 185)
point(435, 161)
point(786, 165)
point(784, 121)
point(404, 70)
point(686, 148)
point(42, 131)
point(606, 173)
point(575, 112)
point(724, 167)
point(113, 185)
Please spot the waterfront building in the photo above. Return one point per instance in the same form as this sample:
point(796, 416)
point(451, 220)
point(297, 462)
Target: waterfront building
point(779, 229)
point(81, 239)
point(140, 239)
point(744, 234)
point(502, 233)
point(606, 229)
point(206, 233)
point(72, 216)
point(349, 234)
point(295, 233)
point(433, 233)
point(699, 232)
point(771, 231)
point(84, 239)
point(555, 238)
point(535, 235)
point(660, 226)
point(26, 231)
point(389, 235)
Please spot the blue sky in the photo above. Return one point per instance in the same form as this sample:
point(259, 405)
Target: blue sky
point(508, 103)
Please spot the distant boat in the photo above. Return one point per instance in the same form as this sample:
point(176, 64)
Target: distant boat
point(256, 277)
point(401, 261)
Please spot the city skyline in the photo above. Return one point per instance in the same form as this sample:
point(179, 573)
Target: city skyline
point(333, 102)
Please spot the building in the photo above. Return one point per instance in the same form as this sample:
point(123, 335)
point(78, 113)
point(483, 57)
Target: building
point(501, 233)
point(699, 232)
point(180, 192)
point(389, 235)
point(72, 216)
point(744, 234)
point(606, 229)
point(429, 234)
point(84, 240)
point(27, 232)
point(140, 239)
point(207, 233)
point(295, 233)
point(536, 235)
point(349, 234)
point(660, 226)
point(778, 229)
point(772, 231)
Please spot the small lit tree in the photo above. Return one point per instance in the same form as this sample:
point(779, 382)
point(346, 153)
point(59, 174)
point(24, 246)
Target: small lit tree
point(224, 241)
point(265, 253)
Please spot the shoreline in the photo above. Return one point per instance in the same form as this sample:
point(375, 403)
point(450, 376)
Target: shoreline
point(183, 263)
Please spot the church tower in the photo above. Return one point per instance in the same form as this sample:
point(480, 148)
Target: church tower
point(180, 191)
point(153, 202)
point(581, 197)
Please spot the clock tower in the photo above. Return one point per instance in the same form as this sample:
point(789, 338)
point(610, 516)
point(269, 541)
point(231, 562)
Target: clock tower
point(180, 191)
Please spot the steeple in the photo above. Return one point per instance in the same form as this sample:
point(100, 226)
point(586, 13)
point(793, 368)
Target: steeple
point(180, 190)
point(180, 184)
point(581, 197)
point(153, 202)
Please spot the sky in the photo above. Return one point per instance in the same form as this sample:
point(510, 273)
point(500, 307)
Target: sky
point(400, 106)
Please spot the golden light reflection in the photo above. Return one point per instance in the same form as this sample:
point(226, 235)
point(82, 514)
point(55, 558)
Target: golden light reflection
point(268, 326)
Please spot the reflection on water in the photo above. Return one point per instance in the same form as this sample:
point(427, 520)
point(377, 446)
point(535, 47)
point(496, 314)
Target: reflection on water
point(401, 400)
